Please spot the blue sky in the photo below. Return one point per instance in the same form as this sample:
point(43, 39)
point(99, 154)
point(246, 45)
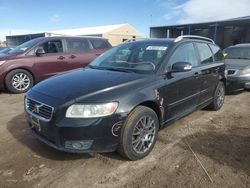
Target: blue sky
point(18, 16)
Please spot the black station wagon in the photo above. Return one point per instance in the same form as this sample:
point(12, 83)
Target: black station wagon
point(126, 95)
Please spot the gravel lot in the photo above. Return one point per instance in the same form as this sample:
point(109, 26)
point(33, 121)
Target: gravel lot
point(221, 141)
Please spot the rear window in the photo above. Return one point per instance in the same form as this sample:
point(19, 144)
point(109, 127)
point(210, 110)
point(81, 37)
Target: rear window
point(206, 55)
point(77, 45)
point(98, 44)
point(218, 55)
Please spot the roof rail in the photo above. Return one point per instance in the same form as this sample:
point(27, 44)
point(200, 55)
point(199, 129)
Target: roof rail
point(193, 37)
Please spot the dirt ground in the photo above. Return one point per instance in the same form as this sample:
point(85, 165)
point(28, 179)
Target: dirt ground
point(220, 140)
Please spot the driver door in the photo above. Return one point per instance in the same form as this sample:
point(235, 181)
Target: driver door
point(182, 89)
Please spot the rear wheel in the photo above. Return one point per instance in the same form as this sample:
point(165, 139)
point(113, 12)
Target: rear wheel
point(19, 81)
point(219, 96)
point(139, 133)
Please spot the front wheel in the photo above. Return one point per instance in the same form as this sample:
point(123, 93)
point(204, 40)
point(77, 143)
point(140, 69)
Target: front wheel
point(219, 96)
point(139, 133)
point(18, 81)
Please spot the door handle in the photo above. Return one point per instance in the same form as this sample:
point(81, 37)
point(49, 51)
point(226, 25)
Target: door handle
point(72, 56)
point(61, 57)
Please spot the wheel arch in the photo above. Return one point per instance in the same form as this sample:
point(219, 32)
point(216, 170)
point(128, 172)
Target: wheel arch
point(223, 80)
point(155, 107)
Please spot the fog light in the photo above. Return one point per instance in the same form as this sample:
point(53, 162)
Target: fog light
point(78, 145)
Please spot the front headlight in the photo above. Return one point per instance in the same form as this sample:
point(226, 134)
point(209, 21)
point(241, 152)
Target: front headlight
point(91, 110)
point(245, 71)
point(2, 62)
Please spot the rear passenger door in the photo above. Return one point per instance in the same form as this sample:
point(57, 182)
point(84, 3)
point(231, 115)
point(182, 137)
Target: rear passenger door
point(183, 88)
point(209, 70)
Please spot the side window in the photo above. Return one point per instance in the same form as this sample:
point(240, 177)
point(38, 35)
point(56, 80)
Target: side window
point(77, 45)
point(100, 43)
point(184, 53)
point(218, 55)
point(54, 46)
point(205, 53)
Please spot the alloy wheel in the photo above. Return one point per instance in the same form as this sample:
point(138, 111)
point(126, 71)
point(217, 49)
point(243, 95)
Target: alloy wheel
point(20, 81)
point(143, 134)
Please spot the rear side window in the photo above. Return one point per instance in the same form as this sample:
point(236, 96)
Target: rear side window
point(184, 53)
point(205, 53)
point(98, 44)
point(218, 55)
point(77, 45)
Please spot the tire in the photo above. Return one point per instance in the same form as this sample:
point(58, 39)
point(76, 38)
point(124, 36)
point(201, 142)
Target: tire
point(19, 81)
point(219, 96)
point(144, 137)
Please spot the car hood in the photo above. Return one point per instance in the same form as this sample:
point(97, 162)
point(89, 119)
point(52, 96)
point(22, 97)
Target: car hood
point(86, 82)
point(7, 56)
point(237, 63)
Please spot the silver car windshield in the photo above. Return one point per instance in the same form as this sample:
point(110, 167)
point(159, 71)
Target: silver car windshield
point(237, 53)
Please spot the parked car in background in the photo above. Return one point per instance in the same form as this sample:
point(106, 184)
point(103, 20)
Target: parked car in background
point(44, 57)
point(121, 100)
point(237, 59)
point(5, 51)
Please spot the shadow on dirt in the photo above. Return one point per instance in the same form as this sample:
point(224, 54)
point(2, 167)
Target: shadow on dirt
point(231, 148)
point(19, 129)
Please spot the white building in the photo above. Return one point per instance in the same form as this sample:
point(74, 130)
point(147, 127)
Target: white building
point(116, 34)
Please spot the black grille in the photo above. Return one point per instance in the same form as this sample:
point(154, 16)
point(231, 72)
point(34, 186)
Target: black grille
point(39, 109)
point(230, 71)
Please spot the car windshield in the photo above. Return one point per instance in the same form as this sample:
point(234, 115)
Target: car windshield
point(237, 53)
point(25, 46)
point(140, 57)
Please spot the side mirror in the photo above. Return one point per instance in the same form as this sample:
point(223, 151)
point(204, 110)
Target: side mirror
point(181, 67)
point(40, 51)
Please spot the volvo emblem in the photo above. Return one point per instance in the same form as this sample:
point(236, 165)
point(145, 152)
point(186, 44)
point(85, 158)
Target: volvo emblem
point(37, 108)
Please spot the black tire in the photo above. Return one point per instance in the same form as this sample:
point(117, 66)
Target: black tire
point(219, 96)
point(25, 80)
point(130, 130)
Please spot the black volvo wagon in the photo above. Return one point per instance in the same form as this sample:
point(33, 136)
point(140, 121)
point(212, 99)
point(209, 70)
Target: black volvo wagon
point(125, 96)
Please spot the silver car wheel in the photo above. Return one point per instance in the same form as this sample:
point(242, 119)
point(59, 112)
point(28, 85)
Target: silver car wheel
point(20, 81)
point(143, 134)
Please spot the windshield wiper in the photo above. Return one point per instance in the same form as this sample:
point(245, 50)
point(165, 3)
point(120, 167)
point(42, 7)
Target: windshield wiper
point(118, 69)
point(110, 68)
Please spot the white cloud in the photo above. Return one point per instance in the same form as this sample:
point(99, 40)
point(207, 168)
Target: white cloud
point(209, 10)
point(56, 18)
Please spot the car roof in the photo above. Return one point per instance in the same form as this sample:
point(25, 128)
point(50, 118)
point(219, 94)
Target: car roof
point(167, 40)
point(63, 37)
point(243, 45)
point(239, 45)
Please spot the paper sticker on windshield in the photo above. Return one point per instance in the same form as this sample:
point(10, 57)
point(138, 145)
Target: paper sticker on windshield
point(158, 48)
